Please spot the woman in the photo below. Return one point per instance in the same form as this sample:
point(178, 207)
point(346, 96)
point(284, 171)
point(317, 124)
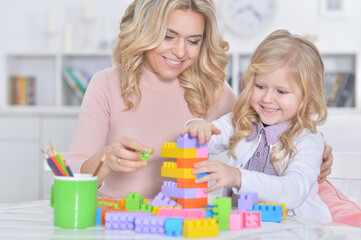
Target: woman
point(170, 62)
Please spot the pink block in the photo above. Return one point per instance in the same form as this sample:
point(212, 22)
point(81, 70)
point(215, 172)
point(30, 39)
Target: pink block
point(200, 193)
point(182, 213)
point(236, 220)
point(252, 219)
point(202, 153)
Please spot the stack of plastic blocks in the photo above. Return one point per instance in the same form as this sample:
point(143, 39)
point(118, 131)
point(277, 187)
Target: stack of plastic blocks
point(187, 151)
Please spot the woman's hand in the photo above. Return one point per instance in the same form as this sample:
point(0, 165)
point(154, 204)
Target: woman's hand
point(201, 128)
point(223, 174)
point(327, 163)
point(124, 157)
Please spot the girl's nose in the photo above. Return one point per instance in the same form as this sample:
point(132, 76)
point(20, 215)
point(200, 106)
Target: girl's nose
point(268, 96)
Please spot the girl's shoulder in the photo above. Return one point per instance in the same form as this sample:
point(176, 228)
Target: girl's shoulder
point(309, 138)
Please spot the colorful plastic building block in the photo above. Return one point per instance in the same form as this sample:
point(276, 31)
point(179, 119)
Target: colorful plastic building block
point(122, 220)
point(236, 220)
point(173, 226)
point(170, 150)
point(182, 213)
point(247, 200)
point(169, 169)
point(163, 201)
point(193, 202)
point(133, 201)
point(149, 224)
point(146, 207)
point(189, 183)
point(170, 189)
point(145, 156)
point(269, 213)
point(276, 204)
point(201, 175)
point(188, 162)
point(252, 219)
point(198, 228)
point(221, 210)
point(187, 141)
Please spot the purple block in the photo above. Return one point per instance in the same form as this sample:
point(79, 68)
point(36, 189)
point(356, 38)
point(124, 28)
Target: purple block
point(150, 224)
point(170, 189)
point(163, 201)
point(122, 220)
point(187, 141)
point(247, 200)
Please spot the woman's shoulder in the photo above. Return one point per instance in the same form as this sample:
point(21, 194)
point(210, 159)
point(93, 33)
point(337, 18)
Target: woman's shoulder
point(108, 74)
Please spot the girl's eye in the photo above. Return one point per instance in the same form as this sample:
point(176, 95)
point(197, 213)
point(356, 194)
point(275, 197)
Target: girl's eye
point(282, 92)
point(194, 42)
point(259, 86)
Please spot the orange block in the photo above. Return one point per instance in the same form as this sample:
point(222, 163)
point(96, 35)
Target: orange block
point(193, 202)
point(189, 183)
point(188, 162)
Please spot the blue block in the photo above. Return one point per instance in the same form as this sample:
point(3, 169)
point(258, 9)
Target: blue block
point(98, 216)
point(209, 213)
point(201, 175)
point(173, 226)
point(269, 213)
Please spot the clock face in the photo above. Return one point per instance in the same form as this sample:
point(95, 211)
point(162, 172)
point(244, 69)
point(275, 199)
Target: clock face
point(247, 16)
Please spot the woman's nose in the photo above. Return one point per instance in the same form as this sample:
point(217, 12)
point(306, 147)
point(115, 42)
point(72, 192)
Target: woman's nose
point(179, 49)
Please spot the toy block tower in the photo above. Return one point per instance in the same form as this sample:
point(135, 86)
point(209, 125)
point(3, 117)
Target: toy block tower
point(187, 151)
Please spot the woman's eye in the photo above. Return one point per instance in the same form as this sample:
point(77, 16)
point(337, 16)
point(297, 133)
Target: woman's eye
point(169, 37)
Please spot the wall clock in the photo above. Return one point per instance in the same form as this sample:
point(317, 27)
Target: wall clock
point(247, 17)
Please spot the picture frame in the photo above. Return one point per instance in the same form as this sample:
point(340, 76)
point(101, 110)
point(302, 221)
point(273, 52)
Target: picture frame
point(333, 8)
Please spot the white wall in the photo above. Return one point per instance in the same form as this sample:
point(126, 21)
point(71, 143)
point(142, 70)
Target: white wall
point(22, 27)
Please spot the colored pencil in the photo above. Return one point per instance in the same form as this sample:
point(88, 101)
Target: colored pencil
point(105, 156)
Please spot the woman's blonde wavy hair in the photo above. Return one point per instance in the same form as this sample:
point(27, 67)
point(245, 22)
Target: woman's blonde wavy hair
point(305, 67)
point(144, 27)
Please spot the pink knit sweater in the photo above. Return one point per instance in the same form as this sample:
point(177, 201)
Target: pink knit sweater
point(158, 118)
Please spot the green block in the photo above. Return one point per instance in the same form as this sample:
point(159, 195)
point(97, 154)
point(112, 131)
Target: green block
point(133, 201)
point(221, 210)
point(145, 156)
point(146, 207)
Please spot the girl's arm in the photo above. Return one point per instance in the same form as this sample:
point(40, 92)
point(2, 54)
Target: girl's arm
point(294, 185)
point(217, 133)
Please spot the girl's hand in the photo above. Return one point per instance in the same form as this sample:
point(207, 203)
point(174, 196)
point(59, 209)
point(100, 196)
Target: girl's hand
point(223, 174)
point(203, 129)
point(327, 163)
point(123, 158)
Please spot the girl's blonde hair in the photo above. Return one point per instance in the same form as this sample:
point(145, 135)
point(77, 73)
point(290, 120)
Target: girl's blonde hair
point(305, 67)
point(144, 27)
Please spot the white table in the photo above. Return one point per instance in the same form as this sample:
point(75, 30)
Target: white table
point(34, 220)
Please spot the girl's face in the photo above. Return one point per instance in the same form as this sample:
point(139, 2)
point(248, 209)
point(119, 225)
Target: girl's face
point(273, 97)
point(181, 45)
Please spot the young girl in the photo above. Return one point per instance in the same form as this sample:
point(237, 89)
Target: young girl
point(274, 145)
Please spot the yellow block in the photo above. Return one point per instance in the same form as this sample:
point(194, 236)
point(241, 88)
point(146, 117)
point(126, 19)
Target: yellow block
point(169, 169)
point(170, 150)
point(197, 228)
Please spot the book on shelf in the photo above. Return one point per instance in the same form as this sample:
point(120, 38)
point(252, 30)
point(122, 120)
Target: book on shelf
point(21, 90)
point(339, 89)
point(76, 79)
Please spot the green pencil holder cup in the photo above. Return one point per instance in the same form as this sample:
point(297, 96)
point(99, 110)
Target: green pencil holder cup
point(74, 200)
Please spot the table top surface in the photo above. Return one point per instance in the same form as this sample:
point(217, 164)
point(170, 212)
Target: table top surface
point(34, 220)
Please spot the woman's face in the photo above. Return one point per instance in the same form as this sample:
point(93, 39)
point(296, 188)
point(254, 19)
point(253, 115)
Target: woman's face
point(181, 45)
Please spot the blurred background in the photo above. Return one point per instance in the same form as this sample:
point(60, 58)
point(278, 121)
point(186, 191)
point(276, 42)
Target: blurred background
point(49, 50)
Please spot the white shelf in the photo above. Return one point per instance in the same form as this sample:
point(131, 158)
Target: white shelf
point(53, 94)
